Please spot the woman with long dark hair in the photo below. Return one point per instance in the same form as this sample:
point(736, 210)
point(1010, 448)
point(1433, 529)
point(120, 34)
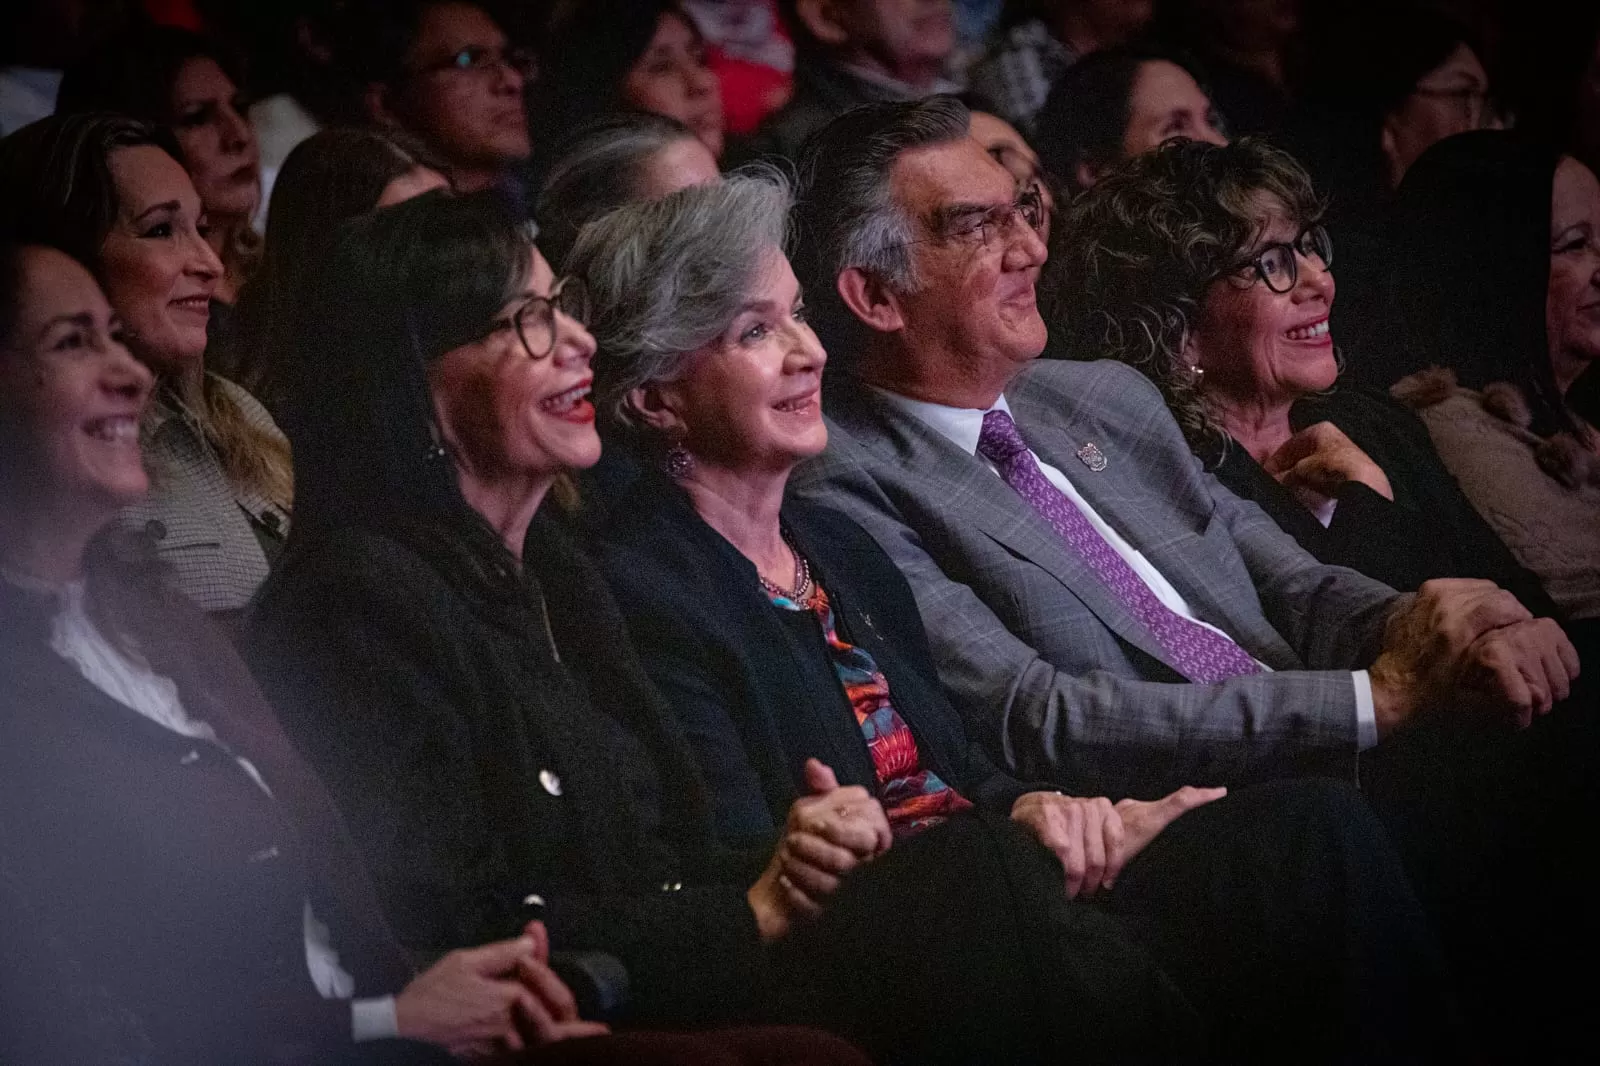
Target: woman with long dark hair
point(328, 178)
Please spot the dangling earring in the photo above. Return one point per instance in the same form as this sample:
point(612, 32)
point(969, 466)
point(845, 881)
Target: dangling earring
point(1197, 375)
point(677, 463)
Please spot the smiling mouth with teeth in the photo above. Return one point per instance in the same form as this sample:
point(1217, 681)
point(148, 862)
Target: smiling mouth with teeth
point(1308, 333)
point(564, 402)
point(798, 404)
point(117, 430)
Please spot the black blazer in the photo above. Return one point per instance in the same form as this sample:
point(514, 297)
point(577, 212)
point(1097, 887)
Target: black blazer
point(1428, 531)
point(493, 745)
point(166, 885)
point(756, 692)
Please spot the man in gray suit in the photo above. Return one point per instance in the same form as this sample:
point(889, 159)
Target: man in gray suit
point(1105, 613)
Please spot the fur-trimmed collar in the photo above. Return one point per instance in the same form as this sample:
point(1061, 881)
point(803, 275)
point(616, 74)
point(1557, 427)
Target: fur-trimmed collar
point(1562, 455)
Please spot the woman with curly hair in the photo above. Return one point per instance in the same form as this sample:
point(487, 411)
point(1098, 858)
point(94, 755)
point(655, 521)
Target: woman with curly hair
point(1205, 266)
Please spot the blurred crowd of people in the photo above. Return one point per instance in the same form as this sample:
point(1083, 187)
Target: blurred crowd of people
point(798, 531)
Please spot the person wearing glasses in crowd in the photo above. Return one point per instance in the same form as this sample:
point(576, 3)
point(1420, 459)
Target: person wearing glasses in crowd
point(444, 71)
point(1373, 104)
point(1007, 146)
point(1206, 267)
point(443, 651)
point(794, 658)
point(1105, 613)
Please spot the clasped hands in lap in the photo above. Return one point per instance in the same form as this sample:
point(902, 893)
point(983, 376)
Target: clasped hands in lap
point(481, 1002)
point(1470, 644)
point(838, 828)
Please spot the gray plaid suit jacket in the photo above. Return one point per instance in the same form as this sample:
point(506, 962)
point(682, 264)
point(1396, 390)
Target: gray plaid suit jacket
point(1051, 672)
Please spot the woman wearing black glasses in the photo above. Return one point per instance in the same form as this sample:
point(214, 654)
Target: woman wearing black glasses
point(1204, 266)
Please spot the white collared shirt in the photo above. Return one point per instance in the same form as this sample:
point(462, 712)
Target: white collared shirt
point(75, 637)
point(962, 426)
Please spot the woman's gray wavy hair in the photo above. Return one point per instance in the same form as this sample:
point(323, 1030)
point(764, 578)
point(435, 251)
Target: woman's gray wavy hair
point(1141, 247)
point(667, 276)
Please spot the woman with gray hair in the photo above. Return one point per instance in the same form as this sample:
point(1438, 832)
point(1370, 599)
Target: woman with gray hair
point(611, 161)
point(792, 654)
point(1206, 267)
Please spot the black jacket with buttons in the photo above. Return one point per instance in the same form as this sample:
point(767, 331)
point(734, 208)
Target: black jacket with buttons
point(496, 741)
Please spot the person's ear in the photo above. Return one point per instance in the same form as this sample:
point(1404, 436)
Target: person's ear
point(870, 300)
point(1086, 173)
point(376, 102)
point(1389, 141)
point(1189, 353)
point(657, 407)
point(821, 20)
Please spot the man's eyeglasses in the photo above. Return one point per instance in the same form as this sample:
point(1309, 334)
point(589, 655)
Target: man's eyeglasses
point(535, 321)
point(1278, 265)
point(484, 60)
point(994, 224)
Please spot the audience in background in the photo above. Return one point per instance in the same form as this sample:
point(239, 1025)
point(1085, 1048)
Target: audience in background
point(850, 52)
point(609, 163)
point(332, 176)
point(751, 54)
point(1511, 310)
point(38, 40)
point(1250, 49)
point(1377, 102)
point(1208, 269)
point(793, 657)
point(445, 72)
point(111, 192)
point(1116, 104)
point(298, 84)
point(1011, 150)
point(181, 82)
point(635, 55)
point(1041, 39)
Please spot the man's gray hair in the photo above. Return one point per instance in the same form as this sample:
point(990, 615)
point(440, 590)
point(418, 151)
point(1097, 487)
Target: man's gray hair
point(666, 277)
point(846, 216)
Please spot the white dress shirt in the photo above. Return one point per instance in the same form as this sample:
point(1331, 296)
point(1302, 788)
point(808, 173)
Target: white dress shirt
point(962, 426)
point(75, 638)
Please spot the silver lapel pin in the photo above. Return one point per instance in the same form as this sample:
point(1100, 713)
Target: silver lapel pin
point(1092, 457)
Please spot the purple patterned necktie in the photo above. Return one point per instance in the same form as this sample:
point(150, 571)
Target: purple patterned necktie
point(1202, 655)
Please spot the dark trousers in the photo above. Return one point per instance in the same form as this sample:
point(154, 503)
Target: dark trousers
point(740, 1046)
point(1497, 828)
point(1272, 926)
point(1283, 912)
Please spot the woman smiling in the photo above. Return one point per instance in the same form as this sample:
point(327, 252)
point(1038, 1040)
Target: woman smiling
point(112, 192)
point(1205, 266)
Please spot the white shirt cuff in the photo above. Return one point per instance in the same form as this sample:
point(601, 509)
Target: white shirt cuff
point(373, 1019)
point(1366, 712)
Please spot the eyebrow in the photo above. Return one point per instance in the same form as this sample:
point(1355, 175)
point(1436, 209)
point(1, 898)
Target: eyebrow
point(170, 205)
point(82, 320)
point(952, 212)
